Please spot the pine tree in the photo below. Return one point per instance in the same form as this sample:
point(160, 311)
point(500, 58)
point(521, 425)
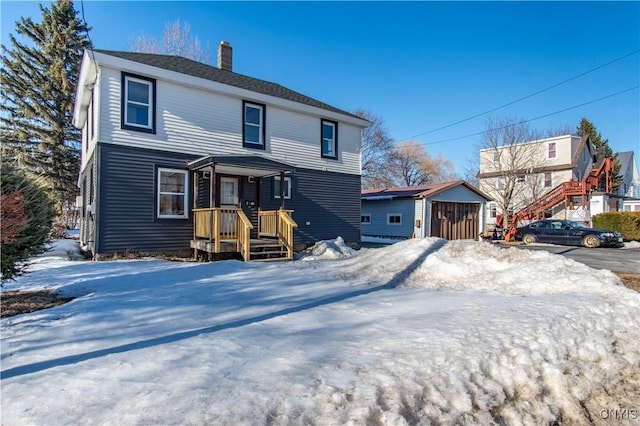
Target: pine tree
point(587, 128)
point(39, 74)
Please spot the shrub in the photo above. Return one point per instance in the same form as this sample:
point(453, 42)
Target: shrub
point(25, 220)
point(627, 223)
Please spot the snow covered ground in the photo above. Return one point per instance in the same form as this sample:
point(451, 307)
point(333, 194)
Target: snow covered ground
point(418, 332)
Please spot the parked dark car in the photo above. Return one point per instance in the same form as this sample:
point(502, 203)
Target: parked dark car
point(567, 232)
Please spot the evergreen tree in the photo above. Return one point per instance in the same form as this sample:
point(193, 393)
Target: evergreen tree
point(587, 128)
point(39, 74)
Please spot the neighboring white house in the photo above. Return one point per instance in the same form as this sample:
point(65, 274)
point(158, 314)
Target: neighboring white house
point(630, 187)
point(450, 210)
point(164, 136)
point(534, 168)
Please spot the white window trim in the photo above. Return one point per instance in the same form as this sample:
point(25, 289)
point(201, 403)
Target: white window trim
point(185, 215)
point(493, 210)
point(394, 214)
point(260, 125)
point(555, 150)
point(365, 215)
point(287, 194)
point(149, 105)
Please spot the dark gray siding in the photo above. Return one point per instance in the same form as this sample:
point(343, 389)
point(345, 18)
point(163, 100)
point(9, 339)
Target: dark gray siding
point(379, 209)
point(328, 202)
point(326, 205)
point(88, 189)
point(127, 202)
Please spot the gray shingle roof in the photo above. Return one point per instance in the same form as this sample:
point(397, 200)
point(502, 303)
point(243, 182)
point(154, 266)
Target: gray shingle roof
point(208, 72)
point(625, 161)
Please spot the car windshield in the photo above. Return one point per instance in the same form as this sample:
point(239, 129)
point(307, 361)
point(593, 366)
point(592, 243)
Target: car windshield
point(574, 224)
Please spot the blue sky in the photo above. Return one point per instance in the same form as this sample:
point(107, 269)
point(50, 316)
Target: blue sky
point(419, 66)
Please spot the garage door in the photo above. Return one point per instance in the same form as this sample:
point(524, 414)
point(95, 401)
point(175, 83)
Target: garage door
point(455, 221)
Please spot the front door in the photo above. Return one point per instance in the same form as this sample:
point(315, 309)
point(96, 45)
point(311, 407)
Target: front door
point(229, 199)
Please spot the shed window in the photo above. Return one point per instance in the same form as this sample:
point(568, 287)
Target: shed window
point(172, 199)
point(394, 219)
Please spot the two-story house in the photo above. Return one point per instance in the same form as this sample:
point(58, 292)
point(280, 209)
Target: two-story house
point(177, 154)
point(529, 170)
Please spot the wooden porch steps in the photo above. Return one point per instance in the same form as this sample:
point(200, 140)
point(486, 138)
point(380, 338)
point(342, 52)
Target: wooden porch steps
point(261, 250)
point(267, 250)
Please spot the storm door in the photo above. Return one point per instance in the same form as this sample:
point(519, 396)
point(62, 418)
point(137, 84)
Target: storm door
point(229, 199)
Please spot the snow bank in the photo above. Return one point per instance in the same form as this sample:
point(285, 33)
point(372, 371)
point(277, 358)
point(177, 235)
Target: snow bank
point(473, 265)
point(421, 332)
point(328, 249)
point(632, 245)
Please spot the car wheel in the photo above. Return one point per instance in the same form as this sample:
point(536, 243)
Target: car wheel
point(529, 239)
point(591, 241)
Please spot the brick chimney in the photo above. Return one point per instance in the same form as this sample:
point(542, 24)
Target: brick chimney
point(225, 56)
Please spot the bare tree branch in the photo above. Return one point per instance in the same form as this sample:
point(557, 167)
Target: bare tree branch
point(176, 40)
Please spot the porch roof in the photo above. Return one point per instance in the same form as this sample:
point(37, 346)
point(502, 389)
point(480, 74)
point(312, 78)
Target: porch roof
point(242, 165)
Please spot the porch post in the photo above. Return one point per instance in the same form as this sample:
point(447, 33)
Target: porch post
point(194, 202)
point(212, 186)
point(282, 184)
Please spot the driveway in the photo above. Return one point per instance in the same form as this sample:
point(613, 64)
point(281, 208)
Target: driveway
point(613, 259)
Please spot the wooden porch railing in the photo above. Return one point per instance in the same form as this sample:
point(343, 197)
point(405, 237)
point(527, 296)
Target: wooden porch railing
point(243, 239)
point(216, 224)
point(285, 231)
point(278, 223)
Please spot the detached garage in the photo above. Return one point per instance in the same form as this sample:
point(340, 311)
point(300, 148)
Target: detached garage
point(450, 210)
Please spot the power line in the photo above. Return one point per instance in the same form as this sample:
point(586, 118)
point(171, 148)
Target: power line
point(532, 119)
point(527, 96)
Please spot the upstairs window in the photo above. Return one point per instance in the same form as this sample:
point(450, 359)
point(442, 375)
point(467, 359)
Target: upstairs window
point(172, 196)
point(329, 140)
point(493, 210)
point(253, 128)
point(138, 103)
point(551, 150)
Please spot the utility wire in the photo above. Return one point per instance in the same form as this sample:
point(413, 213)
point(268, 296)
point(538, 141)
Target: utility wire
point(532, 119)
point(93, 57)
point(526, 97)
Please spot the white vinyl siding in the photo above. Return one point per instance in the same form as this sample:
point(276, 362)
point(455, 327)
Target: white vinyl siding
point(196, 121)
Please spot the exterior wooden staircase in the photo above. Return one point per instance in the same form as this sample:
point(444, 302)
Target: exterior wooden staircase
point(563, 193)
